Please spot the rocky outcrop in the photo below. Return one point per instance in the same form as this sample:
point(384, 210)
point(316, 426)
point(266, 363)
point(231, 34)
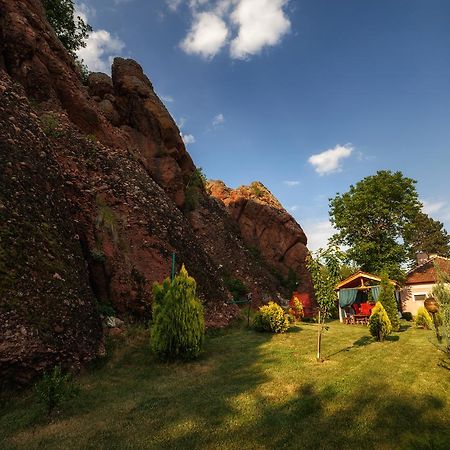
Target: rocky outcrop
point(96, 194)
point(265, 225)
point(47, 308)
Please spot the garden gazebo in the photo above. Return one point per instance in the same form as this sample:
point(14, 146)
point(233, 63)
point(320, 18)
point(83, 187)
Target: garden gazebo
point(357, 295)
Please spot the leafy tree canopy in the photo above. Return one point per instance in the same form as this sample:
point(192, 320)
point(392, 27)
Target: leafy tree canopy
point(72, 31)
point(372, 218)
point(427, 235)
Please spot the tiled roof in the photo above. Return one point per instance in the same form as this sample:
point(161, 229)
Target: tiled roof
point(426, 273)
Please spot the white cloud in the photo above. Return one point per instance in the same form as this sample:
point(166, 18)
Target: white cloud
point(101, 48)
point(261, 23)
point(208, 34)
point(218, 120)
point(330, 161)
point(430, 207)
point(84, 11)
point(188, 139)
point(291, 183)
point(318, 232)
point(294, 208)
point(245, 26)
point(101, 45)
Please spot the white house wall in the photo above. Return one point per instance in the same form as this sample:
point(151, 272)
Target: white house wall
point(407, 296)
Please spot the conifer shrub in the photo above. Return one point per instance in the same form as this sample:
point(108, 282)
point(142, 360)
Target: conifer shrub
point(271, 318)
point(379, 324)
point(178, 327)
point(389, 302)
point(54, 388)
point(423, 319)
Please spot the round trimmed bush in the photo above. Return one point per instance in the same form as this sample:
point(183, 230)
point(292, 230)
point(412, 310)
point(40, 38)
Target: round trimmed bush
point(178, 327)
point(379, 323)
point(271, 318)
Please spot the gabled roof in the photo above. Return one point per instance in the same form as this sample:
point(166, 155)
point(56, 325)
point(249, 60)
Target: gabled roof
point(354, 281)
point(426, 273)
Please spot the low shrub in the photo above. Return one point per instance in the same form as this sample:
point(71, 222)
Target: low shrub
point(271, 318)
point(423, 319)
point(54, 388)
point(295, 308)
point(178, 327)
point(379, 322)
point(50, 125)
point(236, 287)
point(407, 316)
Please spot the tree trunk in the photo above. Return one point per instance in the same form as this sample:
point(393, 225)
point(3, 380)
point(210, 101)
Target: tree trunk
point(319, 337)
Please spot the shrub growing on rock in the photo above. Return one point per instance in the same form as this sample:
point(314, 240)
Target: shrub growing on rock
point(271, 317)
point(379, 323)
point(423, 319)
point(178, 327)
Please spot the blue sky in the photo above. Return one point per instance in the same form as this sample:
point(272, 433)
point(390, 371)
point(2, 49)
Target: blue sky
point(306, 96)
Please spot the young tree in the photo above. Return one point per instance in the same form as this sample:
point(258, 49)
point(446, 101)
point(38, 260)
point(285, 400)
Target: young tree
point(389, 302)
point(178, 327)
point(371, 219)
point(325, 272)
point(71, 31)
point(427, 235)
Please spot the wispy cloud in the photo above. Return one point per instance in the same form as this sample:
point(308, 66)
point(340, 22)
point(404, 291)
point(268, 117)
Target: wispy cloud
point(291, 183)
point(318, 233)
point(167, 98)
point(218, 120)
point(330, 161)
point(430, 207)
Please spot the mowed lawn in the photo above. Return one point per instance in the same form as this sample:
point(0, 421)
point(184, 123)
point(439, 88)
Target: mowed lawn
point(252, 391)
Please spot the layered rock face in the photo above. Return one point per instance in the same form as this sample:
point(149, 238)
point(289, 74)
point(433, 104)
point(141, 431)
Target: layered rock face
point(94, 188)
point(265, 225)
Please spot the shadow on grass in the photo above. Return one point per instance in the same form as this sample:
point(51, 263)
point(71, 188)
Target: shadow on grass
point(222, 401)
point(363, 341)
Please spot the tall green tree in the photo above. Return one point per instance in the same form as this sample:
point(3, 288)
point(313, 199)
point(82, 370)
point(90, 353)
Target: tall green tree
point(427, 235)
point(72, 31)
point(389, 302)
point(324, 268)
point(372, 218)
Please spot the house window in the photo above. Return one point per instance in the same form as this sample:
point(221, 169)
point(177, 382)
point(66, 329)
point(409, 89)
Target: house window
point(420, 297)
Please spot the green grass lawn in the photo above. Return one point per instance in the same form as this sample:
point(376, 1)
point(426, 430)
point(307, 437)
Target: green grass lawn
point(252, 391)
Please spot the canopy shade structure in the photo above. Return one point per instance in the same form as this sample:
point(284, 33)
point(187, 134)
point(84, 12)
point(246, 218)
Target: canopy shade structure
point(355, 287)
point(361, 280)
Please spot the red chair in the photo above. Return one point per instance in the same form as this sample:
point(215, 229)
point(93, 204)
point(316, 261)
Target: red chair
point(365, 309)
point(356, 308)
